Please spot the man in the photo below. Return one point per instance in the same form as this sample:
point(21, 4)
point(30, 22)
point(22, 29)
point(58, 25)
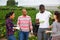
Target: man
point(25, 25)
point(43, 18)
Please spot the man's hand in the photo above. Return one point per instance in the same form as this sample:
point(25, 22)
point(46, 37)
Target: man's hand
point(31, 32)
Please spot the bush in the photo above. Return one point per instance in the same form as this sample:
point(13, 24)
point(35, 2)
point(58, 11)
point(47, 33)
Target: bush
point(2, 31)
point(18, 11)
point(58, 7)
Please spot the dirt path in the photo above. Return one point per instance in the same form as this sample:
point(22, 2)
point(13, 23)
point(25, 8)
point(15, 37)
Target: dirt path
point(3, 39)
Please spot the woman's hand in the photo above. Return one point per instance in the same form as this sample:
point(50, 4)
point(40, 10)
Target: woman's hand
point(50, 26)
point(16, 28)
point(48, 31)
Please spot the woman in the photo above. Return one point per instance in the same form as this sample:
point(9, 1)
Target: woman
point(55, 27)
point(9, 26)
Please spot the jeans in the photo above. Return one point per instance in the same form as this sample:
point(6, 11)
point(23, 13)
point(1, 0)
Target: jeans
point(41, 34)
point(11, 37)
point(23, 35)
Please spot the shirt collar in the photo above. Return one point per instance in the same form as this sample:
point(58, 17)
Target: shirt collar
point(42, 13)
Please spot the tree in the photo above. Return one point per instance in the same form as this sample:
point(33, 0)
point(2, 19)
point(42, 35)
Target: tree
point(11, 3)
point(59, 7)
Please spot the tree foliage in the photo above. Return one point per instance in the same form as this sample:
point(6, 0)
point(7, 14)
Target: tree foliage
point(11, 3)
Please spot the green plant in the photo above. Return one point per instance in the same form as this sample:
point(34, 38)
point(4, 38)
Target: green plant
point(18, 11)
point(58, 7)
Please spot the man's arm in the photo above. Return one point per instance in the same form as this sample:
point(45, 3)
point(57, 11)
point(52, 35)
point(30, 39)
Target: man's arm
point(37, 19)
point(18, 24)
point(31, 28)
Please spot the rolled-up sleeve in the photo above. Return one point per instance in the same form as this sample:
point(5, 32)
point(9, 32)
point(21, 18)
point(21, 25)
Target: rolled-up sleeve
point(8, 25)
point(37, 16)
point(18, 22)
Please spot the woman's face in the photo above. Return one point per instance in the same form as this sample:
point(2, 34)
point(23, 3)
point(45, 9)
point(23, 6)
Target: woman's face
point(12, 16)
point(55, 17)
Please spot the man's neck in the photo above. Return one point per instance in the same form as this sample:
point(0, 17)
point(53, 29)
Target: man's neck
point(24, 15)
point(42, 12)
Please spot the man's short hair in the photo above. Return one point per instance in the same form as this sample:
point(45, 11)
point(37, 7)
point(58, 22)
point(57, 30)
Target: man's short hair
point(41, 6)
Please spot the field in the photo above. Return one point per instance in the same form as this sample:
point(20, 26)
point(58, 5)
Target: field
point(18, 11)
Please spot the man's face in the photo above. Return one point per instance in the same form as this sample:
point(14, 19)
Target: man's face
point(42, 9)
point(24, 12)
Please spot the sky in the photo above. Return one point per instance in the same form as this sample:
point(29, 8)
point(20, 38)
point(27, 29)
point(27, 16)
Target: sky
point(32, 2)
point(3, 2)
point(38, 2)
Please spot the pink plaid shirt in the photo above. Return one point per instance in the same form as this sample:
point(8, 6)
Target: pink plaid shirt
point(24, 23)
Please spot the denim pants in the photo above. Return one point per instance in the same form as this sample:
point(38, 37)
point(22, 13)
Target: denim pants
point(41, 34)
point(23, 35)
point(11, 37)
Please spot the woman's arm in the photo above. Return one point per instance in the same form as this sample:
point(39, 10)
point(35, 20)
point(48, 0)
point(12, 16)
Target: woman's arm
point(48, 31)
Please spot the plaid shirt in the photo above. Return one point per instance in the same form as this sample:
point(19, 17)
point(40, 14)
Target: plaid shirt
point(9, 27)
